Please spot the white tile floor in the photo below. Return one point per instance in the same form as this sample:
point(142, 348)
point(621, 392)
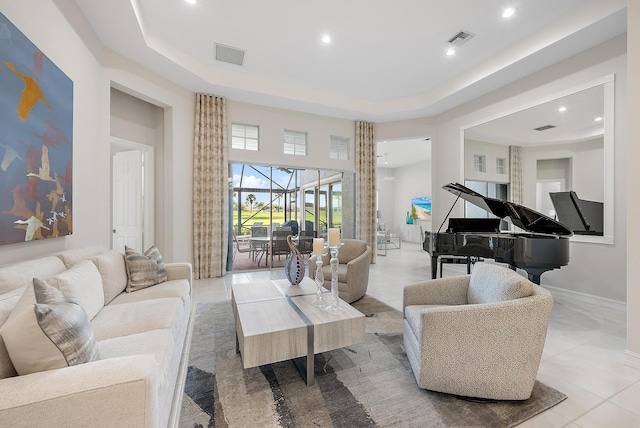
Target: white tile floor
point(583, 355)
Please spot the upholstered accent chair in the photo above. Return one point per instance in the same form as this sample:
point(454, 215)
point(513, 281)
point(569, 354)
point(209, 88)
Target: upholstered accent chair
point(353, 269)
point(478, 335)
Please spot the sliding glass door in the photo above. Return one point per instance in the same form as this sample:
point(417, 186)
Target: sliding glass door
point(323, 204)
point(266, 199)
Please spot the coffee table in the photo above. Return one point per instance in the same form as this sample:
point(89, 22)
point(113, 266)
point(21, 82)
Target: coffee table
point(275, 321)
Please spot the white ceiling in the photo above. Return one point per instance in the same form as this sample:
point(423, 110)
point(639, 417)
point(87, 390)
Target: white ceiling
point(576, 122)
point(386, 60)
point(398, 153)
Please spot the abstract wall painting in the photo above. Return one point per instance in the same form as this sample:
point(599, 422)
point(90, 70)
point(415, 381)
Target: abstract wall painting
point(422, 207)
point(36, 144)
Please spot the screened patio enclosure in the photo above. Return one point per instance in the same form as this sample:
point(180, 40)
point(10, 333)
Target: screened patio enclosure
point(265, 200)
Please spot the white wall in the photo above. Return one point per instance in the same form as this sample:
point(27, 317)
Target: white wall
point(390, 216)
point(587, 169)
point(492, 153)
point(631, 192)
point(174, 216)
point(554, 169)
point(394, 197)
point(272, 123)
point(135, 120)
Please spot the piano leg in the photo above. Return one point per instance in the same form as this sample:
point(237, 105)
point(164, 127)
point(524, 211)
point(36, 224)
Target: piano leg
point(534, 277)
point(434, 267)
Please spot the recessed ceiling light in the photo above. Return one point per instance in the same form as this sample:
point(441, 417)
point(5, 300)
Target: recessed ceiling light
point(561, 109)
point(326, 39)
point(451, 52)
point(598, 119)
point(508, 12)
point(191, 1)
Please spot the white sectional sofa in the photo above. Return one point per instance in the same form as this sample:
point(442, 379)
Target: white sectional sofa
point(140, 337)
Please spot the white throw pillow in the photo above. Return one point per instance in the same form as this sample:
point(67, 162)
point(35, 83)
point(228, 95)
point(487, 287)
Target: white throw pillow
point(113, 272)
point(83, 285)
point(494, 283)
point(52, 333)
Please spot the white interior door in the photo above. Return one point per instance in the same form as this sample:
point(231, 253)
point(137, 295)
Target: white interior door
point(128, 199)
point(543, 200)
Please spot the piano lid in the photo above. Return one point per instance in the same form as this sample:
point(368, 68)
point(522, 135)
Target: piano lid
point(523, 217)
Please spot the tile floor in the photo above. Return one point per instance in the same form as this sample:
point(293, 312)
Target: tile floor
point(583, 355)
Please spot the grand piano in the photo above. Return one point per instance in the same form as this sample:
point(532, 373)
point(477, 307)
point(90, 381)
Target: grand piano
point(543, 246)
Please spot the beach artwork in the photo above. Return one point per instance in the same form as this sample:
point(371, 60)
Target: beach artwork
point(422, 207)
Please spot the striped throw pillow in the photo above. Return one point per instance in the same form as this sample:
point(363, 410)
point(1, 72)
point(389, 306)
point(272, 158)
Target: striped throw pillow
point(144, 270)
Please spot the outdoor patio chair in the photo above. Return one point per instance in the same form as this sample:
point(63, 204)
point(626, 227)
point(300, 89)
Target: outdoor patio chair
point(238, 248)
point(279, 246)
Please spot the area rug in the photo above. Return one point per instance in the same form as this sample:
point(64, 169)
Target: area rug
point(366, 385)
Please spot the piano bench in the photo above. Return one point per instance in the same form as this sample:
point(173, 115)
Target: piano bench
point(468, 260)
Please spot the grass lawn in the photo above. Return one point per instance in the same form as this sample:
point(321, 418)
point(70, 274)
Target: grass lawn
point(250, 217)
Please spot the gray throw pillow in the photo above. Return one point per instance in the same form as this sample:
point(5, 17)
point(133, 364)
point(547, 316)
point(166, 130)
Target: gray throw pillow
point(144, 270)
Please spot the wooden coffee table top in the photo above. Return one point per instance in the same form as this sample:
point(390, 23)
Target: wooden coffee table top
point(275, 322)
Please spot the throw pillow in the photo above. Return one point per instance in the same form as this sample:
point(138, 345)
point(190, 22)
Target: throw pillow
point(494, 283)
point(113, 272)
point(144, 270)
point(52, 333)
point(83, 285)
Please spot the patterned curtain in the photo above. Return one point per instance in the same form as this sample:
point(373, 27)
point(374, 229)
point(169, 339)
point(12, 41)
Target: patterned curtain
point(210, 187)
point(515, 175)
point(366, 185)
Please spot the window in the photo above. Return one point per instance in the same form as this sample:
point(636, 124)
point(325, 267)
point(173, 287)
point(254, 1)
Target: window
point(244, 137)
point(501, 165)
point(295, 143)
point(339, 148)
point(479, 163)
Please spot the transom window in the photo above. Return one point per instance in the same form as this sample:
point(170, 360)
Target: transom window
point(244, 137)
point(480, 163)
point(339, 148)
point(295, 143)
point(501, 165)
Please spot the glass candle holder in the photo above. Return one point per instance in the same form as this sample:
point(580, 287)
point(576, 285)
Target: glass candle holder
point(319, 280)
point(334, 305)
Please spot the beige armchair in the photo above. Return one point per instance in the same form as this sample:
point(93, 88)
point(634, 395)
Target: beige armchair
point(353, 269)
point(478, 335)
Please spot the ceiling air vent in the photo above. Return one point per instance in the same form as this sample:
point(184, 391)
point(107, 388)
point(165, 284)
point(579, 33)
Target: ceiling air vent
point(461, 38)
point(229, 54)
point(544, 128)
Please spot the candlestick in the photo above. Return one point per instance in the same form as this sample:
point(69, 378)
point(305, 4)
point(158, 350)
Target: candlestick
point(319, 279)
point(334, 306)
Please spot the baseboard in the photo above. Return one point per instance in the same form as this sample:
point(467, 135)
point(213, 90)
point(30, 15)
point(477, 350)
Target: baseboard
point(176, 403)
point(588, 298)
point(632, 359)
